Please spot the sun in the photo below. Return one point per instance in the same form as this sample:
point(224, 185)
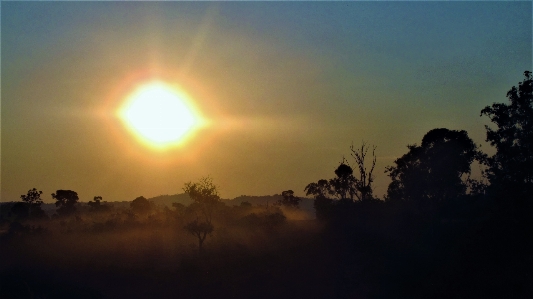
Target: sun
point(159, 115)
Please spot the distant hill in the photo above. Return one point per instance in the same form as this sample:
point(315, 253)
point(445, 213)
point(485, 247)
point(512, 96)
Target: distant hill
point(167, 200)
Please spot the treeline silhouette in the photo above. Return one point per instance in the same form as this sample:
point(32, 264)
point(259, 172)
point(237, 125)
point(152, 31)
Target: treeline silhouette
point(437, 233)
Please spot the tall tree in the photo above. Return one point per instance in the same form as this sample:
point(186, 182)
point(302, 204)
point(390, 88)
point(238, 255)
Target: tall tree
point(366, 177)
point(344, 184)
point(434, 171)
point(66, 201)
point(511, 168)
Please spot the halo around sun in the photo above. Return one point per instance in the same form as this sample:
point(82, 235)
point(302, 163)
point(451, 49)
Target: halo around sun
point(159, 115)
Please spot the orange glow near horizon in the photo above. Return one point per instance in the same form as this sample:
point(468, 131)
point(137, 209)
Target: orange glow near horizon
point(159, 115)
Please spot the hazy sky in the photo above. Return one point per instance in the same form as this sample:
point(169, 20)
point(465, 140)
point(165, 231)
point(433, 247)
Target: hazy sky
point(287, 88)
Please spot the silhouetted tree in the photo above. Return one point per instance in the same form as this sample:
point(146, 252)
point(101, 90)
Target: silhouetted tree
point(289, 200)
point(33, 200)
point(511, 168)
point(320, 189)
point(141, 205)
point(366, 177)
point(344, 184)
point(96, 201)
point(30, 207)
point(200, 229)
point(343, 187)
point(97, 206)
point(66, 201)
point(206, 197)
point(435, 170)
point(323, 203)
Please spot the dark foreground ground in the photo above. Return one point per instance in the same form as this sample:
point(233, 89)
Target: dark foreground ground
point(296, 259)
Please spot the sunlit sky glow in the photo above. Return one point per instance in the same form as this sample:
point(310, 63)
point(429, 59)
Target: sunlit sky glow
point(286, 87)
point(158, 115)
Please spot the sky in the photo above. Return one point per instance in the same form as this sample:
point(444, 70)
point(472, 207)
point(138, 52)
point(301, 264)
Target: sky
point(285, 87)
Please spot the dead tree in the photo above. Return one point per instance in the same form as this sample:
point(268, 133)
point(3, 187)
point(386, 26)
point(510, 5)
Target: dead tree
point(366, 177)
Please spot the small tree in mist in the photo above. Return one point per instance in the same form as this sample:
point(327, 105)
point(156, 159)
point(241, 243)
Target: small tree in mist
point(206, 197)
point(141, 206)
point(289, 200)
point(200, 229)
point(97, 206)
point(66, 201)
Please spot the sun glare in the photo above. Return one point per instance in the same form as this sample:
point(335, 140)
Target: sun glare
point(159, 115)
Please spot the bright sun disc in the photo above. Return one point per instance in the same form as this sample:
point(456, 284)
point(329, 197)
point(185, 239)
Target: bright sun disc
point(158, 114)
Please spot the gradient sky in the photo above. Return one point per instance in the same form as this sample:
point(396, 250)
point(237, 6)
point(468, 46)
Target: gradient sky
point(287, 86)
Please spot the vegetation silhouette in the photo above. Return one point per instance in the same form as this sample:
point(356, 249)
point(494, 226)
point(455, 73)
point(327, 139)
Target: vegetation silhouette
point(206, 197)
point(510, 170)
point(366, 177)
point(336, 198)
point(289, 200)
point(434, 171)
point(66, 202)
point(438, 233)
point(33, 201)
point(97, 206)
point(29, 207)
point(141, 206)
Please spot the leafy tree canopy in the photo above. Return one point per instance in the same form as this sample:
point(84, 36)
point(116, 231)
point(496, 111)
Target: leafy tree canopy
point(206, 196)
point(289, 200)
point(434, 170)
point(32, 197)
point(204, 191)
point(141, 205)
point(65, 201)
point(511, 168)
point(32, 201)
